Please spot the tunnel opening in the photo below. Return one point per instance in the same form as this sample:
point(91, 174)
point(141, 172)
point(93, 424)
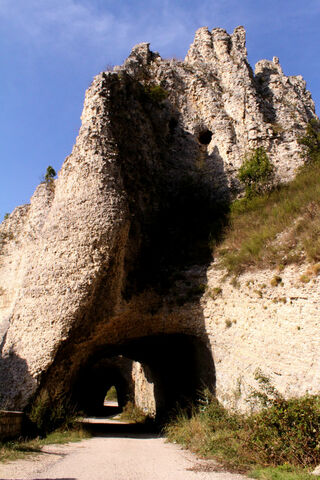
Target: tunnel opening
point(205, 137)
point(111, 396)
point(157, 373)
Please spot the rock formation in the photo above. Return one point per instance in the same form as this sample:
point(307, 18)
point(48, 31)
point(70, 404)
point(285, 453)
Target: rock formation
point(110, 258)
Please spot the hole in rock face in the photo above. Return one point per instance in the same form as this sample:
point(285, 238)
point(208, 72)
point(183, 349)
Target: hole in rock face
point(174, 369)
point(205, 137)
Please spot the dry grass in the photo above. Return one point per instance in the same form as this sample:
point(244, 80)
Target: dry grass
point(281, 227)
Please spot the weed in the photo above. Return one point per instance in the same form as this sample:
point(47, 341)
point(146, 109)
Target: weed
point(228, 323)
point(235, 282)
point(215, 292)
point(133, 414)
point(277, 128)
point(304, 278)
point(275, 281)
point(281, 472)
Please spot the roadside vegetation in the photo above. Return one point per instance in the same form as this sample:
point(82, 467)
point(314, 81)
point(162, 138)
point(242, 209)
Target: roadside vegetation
point(133, 414)
point(275, 226)
point(14, 450)
point(279, 439)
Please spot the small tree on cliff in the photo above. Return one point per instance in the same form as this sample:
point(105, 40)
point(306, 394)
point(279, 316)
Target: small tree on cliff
point(50, 174)
point(256, 173)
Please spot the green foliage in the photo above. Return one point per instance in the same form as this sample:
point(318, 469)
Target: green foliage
point(311, 140)
point(47, 415)
point(155, 93)
point(133, 414)
point(6, 215)
point(256, 172)
point(50, 174)
point(281, 472)
point(282, 432)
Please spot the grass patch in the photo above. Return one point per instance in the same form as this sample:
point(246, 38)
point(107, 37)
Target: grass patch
point(133, 414)
point(280, 227)
point(283, 472)
point(14, 450)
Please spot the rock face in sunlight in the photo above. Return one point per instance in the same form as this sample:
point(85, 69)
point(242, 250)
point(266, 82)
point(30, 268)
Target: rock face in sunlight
point(115, 250)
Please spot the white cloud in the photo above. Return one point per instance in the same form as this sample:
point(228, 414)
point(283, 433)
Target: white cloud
point(59, 23)
point(79, 24)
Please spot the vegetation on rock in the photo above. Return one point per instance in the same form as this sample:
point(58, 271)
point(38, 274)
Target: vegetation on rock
point(155, 93)
point(311, 140)
point(256, 172)
point(50, 174)
point(279, 227)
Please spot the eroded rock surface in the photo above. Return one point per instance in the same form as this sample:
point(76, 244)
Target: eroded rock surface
point(94, 261)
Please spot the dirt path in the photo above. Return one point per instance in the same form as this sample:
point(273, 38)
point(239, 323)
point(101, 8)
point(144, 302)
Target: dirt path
point(115, 456)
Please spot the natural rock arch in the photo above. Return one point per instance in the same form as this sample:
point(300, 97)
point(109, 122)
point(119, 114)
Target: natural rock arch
point(117, 250)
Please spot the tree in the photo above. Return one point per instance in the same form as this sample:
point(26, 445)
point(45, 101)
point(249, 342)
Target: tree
point(50, 174)
point(256, 172)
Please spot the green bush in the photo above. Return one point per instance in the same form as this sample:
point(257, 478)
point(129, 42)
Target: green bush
point(287, 431)
point(281, 432)
point(256, 172)
point(311, 140)
point(155, 93)
point(46, 414)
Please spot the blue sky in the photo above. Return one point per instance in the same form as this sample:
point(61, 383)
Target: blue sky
point(51, 49)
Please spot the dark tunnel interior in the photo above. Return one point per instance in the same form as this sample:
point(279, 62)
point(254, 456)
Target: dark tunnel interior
point(179, 367)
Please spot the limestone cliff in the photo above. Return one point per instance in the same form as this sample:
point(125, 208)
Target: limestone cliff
point(90, 269)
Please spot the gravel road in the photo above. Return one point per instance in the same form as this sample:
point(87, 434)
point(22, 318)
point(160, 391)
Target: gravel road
point(115, 456)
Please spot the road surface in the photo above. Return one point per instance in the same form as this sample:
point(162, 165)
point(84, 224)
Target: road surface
point(115, 455)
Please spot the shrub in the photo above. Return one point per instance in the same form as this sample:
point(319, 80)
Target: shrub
point(50, 174)
point(281, 432)
point(215, 292)
point(288, 431)
point(275, 281)
point(46, 415)
point(256, 172)
point(311, 140)
point(155, 93)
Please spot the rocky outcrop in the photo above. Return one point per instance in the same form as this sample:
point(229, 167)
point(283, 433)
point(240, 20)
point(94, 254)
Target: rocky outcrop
point(115, 250)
